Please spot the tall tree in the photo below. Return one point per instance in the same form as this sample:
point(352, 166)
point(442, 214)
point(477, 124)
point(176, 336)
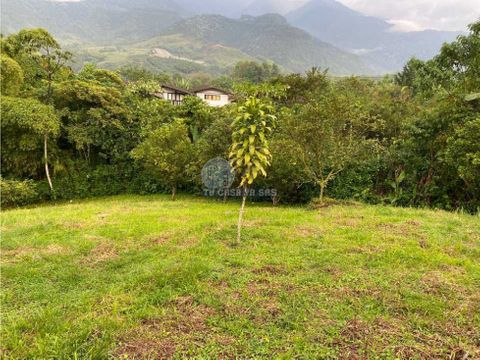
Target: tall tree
point(26, 125)
point(44, 59)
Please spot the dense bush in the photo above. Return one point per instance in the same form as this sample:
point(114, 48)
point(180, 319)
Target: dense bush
point(17, 193)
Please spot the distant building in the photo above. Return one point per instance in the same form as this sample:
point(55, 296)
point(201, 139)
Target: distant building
point(211, 95)
point(173, 94)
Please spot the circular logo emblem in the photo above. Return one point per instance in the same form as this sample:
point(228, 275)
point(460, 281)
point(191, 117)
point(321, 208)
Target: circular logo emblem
point(218, 174)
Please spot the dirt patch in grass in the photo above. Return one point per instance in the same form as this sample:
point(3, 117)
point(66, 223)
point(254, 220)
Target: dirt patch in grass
point(437, 345)
point(435, 283)
point(353, 222)
point(366, 249)
point(271, 270)
point(358, 339)
point(356, 292)
point(407, 229)
point(15, 255)
point(184, 324)
point(423, 244)
point(74, 225)
point(189, 241)
point(335, 272)
point(143, 345)
point(104, 251)
point(305, 232)
point(254, 223)
point(316, 204)
point(159, 239)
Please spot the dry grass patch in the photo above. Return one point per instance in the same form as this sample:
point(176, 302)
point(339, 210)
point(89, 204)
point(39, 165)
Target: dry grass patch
point(254, 223)
point(272, 270)
point(103, 251)
point(159, 239)
point(184, 324)
point(24, 252)
point(358, 339)
point(306, 232)
point(72, 225)
point(435, 283)
point(351, 222)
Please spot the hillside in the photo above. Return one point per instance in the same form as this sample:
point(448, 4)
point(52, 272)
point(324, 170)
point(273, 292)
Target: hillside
point(98, 22)
point(330, 21)
point(270, 37)
point(113, 33)
point(174, 53)
point(146, 277)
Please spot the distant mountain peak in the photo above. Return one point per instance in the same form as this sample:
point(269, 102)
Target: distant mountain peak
point(333, 22)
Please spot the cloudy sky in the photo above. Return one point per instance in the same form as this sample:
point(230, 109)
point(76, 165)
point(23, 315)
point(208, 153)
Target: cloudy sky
point(410, 15)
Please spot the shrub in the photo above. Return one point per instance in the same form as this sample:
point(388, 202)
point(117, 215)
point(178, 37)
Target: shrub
point(18, 193)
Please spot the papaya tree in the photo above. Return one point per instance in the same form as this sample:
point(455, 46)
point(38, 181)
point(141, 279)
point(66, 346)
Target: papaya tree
point(249, 152)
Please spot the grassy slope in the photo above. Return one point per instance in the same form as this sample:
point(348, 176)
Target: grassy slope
point(216, 58)
point(145, 276)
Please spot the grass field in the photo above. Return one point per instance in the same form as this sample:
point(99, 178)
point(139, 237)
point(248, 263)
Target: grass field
point(145, 277)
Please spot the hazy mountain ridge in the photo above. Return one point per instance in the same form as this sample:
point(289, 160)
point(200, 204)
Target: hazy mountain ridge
point(90, 21)
point(270, 37)
point(335, 32)
point(330, 21)
point(123, 28)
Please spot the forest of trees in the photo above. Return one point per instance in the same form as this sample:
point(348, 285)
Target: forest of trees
point(409, 140)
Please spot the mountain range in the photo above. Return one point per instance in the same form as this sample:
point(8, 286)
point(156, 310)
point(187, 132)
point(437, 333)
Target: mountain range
point(368, 36)
point(211, 35)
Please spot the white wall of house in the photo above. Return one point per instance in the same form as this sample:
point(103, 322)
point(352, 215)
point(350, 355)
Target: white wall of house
point(214, 97)
point(175, 98)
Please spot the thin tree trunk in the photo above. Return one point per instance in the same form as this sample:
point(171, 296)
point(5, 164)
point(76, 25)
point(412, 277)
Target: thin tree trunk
point(240, 215)
point(174, 192)
point(322, 190)
point(275, 200)
point(47, 172)
point(225, 195)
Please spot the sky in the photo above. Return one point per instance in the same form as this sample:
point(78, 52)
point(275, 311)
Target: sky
point(408, 15)
point(411, 15)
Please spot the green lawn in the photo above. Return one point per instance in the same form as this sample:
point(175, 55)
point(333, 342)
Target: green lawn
point(145, 277)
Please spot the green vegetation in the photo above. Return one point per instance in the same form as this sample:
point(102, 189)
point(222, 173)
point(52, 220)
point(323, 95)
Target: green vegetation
point(412, 140)
point(167, 152)
point(254, 72)
point(148, 278)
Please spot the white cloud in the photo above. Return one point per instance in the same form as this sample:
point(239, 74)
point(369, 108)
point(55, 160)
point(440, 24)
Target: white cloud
point(404, 26)
point(408, 15)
